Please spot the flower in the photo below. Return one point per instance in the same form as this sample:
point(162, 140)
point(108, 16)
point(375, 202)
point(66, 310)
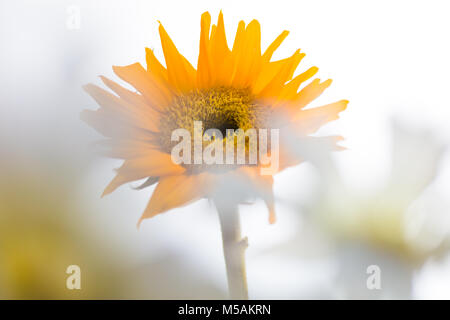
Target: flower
point(238, 88)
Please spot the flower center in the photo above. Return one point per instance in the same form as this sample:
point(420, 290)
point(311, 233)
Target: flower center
point(219, 108)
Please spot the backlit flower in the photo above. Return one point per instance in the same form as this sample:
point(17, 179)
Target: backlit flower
point(237, 88)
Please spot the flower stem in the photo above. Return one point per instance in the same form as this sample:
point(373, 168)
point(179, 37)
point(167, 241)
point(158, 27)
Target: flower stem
point(234, 250)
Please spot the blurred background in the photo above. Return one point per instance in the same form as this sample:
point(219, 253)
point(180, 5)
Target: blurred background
point(383, 202)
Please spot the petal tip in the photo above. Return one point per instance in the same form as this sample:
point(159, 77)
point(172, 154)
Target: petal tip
point(272, 218)
point(87, 87)
point(106, 192)
point(138, 224)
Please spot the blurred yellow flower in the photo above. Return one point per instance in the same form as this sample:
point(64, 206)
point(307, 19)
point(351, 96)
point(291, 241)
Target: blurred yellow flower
point(42, 233)
point(236, 88)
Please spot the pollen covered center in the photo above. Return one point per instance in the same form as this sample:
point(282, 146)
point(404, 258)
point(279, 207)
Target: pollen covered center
point(219, 108)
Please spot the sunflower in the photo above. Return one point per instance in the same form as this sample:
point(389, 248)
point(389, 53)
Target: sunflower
point(237, 88)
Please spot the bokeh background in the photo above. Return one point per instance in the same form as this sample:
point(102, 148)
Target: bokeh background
point(384, 201)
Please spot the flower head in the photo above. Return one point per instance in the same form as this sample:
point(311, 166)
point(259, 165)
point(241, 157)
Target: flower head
point(237, 88)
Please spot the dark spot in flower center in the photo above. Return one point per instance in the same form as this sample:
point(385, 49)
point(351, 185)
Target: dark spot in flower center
point(218, 108)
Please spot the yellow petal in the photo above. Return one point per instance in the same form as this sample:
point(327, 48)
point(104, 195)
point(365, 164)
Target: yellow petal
point(125, 148)
point(275, 86)
point(111, 126)
point(310, 120)
point(125, 112)
point(221, 62)
point(290, 157)
point(181, 74)
point(136, 101)
point(268, 72)
point(239, 38)
point(154, 92)
point(274, 46)
point(289, 91)
point(130, 96)
point(262, 186)
point(311, 92)
point(247, 55)
point(203, 66)
point(154, 66)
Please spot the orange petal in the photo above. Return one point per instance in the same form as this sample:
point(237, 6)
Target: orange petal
point(154, 163)
point(176, 191)
point(266, 183)
point(147, 183)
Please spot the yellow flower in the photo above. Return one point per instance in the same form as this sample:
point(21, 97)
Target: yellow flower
point(230, 89)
